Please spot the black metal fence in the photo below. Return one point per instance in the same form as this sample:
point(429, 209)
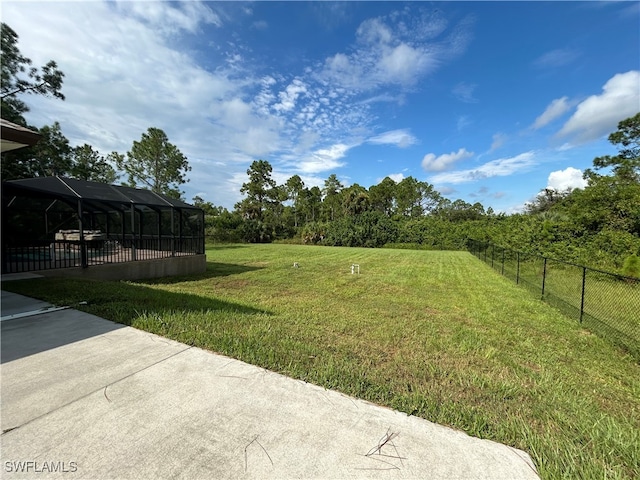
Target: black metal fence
point(606, 303)
point(45, 255)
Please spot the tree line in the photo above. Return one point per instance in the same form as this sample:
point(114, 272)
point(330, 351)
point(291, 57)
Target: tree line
point(598, 225)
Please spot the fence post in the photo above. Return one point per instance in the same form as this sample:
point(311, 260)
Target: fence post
point(493, 254)
point(584, 278)
point(544, 275)
point(5, 251)
point(134, 255)
point(518, 268)
point(83, 245)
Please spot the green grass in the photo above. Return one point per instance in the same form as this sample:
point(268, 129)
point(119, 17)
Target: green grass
point(434, 334)
point(611, 306)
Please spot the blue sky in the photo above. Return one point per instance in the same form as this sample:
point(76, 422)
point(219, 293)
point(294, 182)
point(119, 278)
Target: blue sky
point(489, 101)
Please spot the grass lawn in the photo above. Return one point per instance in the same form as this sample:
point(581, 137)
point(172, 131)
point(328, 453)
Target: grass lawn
point(611, 306)
point(434, 334)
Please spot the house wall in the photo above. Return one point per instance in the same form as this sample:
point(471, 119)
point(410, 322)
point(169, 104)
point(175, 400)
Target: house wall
point(141, 269)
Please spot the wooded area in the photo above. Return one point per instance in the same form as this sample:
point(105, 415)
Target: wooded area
point(597, 226)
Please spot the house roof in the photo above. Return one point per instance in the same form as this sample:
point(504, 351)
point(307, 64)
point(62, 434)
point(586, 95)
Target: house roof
point(71, 189)
point(16, 136)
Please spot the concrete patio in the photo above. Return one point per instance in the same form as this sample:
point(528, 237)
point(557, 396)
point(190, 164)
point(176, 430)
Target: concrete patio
point(83, 397)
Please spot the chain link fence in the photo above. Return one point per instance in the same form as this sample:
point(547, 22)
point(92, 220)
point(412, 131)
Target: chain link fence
point(606, 303)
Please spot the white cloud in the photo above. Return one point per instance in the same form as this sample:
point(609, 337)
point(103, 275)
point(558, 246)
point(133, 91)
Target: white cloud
point(463, 122)
point(302, 106)
point(234, 113)
point(498, 140)
point(570, 177)
point(447, 190)
point(383, 97)
point(306, 141)
point(245, 132)
point(513, 209)
point(373, 31)
point(396, 177)
point(502, 167)
point(431, 163)
point(324, 159)
point(289, 96)
point(401, 138)
point(170, 18)
point(564, 147)
point(464, 92)
point(341, 71)
point(263, 100)
point(403, 64)
point(555, 109)
point(556, 58)
point(395, 51)
point(599, 115)
point(260, 25)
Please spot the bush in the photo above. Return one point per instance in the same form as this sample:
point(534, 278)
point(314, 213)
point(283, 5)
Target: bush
point(313, 233)
point(631, 267)
point(223, 228)
point(609, 248)
point(255, 231)
point(368, 229)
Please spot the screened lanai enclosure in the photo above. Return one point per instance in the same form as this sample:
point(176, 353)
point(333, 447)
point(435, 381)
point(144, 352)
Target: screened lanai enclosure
point(54, 222)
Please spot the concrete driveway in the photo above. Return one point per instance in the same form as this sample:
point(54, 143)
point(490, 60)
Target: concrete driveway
point(83, 397)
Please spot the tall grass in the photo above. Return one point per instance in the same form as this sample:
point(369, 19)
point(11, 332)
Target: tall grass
point(433, 334)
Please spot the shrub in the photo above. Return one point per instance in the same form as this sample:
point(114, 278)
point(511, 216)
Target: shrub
point(313, 233)
point(631, 267)
point(368, 229)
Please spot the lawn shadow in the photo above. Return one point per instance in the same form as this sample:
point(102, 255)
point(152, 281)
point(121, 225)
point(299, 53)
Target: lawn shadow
point(120, 302)
point(214, 270)
point(135, 299)
point(213, 246)
point(218, 269)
